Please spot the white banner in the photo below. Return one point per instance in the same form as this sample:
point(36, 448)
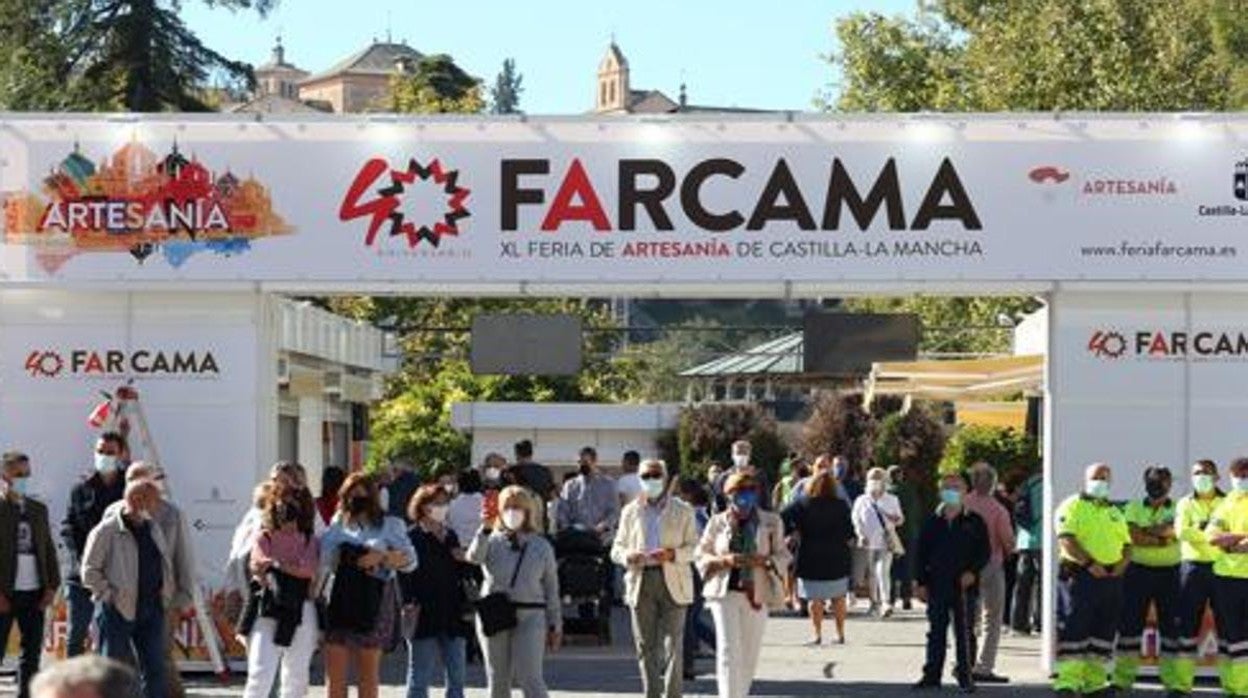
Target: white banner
point(991, 199)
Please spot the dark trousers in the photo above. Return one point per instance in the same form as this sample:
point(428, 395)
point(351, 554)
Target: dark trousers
point(1088, 613)
point(697, 630)
point(1195, 595)
point(146, 633)
point(1010, 568)
point(24, 608)
point(1142, 587)
point(1230, 612)
point(1025, 610)
point(943, 607)
point(81, 611)
point(902, 576)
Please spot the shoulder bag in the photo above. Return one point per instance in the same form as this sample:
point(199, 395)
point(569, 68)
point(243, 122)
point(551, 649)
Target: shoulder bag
point(891, 538)
point(496, 610)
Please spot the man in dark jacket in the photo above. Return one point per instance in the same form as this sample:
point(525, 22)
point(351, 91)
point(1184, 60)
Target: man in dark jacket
point(28, 567)
point(953, 547)
point(87, 502)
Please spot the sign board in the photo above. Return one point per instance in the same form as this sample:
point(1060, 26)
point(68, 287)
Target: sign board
point(570, 205)
point(518, 344)
point(848, 343)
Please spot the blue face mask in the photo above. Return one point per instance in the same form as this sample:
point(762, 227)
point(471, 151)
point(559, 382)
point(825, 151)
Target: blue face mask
point(19, 486)
point(951, 497)
point(838, 471)
point(745, 501)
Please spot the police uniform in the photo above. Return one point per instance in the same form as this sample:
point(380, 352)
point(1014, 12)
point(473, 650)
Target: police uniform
point(1088, 608)
point(1195, 581)
point(1230, 595)
point(1152, 578)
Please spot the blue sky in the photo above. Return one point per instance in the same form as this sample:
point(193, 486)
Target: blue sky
point(730, 52)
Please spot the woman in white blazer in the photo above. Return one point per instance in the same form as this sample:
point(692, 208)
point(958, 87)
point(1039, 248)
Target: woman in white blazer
point(741, 557)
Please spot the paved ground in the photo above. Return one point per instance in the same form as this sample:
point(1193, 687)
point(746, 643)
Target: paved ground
point(880, 659)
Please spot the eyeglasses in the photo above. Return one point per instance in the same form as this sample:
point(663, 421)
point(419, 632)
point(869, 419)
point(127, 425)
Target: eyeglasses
point(651, 476)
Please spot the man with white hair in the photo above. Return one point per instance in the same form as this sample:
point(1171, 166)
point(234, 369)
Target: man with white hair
point(88, 676)
point(990, 614)
point(167, 516)
point(655, 543)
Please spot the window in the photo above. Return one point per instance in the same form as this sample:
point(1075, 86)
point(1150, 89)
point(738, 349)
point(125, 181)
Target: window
point(602, 94)
point(612, 92)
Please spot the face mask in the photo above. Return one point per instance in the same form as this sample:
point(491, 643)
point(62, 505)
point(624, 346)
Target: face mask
point(585, 469)
point(105, 462)
point(744, 502)
point(951, 497)
point(359, 505)
point(491, 473)
point(1203, 484)
point(654, 488)
point(839, 470)
point(1096, 489)
point(437, 513)
point(1240, 484)
point(513, 519)
point(876, 487)
point(740, 461)
point(1156, 489)
point(19, 486)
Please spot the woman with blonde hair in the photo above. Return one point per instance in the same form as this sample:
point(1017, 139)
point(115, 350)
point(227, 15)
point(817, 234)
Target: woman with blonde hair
point(363, 550)
point(742, 557)
point(519, 562)
point(876, 515)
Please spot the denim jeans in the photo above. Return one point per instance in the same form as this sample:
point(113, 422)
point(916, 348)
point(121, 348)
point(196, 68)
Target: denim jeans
point(81, 610)
point(147, 635)
point(422, 654)
point(24, 608)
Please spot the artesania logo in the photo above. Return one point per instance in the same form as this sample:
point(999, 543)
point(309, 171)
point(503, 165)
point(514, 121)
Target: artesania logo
point(1160, 344)
point(89, 363)
point(653, 191)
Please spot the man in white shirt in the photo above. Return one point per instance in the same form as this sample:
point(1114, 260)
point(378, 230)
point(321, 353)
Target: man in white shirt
point(29, 574)
point(629, 484)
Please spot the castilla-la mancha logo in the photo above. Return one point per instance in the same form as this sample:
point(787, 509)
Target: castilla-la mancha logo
point(385, 195)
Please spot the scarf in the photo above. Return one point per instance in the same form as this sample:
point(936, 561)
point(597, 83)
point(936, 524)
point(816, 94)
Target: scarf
point(744, 541)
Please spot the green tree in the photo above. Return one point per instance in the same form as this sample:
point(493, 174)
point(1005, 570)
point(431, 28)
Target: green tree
point(1008, 450)
point(505, 95)
point(134, 55)
point(435, 85)
point(707, 432)
point(1035, 55)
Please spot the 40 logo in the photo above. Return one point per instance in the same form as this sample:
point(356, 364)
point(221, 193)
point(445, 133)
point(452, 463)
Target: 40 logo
point(1107, 344)
point(379, 192)
point(44, 364)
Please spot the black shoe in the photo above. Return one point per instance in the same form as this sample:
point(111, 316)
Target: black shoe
point(926, 684)
point(907, 605)
point(989, 678)
point(966, 687)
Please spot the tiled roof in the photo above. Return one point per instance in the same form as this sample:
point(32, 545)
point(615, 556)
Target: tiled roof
point(377, 59)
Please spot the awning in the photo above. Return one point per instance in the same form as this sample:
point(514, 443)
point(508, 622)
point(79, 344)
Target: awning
point(959, 379)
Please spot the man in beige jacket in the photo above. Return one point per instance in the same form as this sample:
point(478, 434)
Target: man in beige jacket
point(655, 543)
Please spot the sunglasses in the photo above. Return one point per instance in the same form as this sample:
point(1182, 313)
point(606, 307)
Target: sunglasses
point(651, 476)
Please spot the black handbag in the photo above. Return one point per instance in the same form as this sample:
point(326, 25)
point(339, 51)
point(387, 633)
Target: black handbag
point(496, 610)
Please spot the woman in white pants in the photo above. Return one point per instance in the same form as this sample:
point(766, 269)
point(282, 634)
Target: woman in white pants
point(283, 563)
point(741, 558)
point(876, 515)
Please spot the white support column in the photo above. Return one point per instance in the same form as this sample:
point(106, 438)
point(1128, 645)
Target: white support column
point(311, 446)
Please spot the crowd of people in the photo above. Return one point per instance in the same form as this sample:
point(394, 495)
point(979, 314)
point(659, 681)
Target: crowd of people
point(466, 564)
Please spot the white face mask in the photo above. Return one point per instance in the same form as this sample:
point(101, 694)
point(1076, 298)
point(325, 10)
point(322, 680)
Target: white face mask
point(492, 473)
point(876, 487)
point(437, 513)
point(105, 462)
point(740, 460)
point(513, 519)
point(654, 488)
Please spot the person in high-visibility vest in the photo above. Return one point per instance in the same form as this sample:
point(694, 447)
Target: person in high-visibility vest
point(1196, 571)
point(1228, 531)
point(1094, 545)
point(1152, 579)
